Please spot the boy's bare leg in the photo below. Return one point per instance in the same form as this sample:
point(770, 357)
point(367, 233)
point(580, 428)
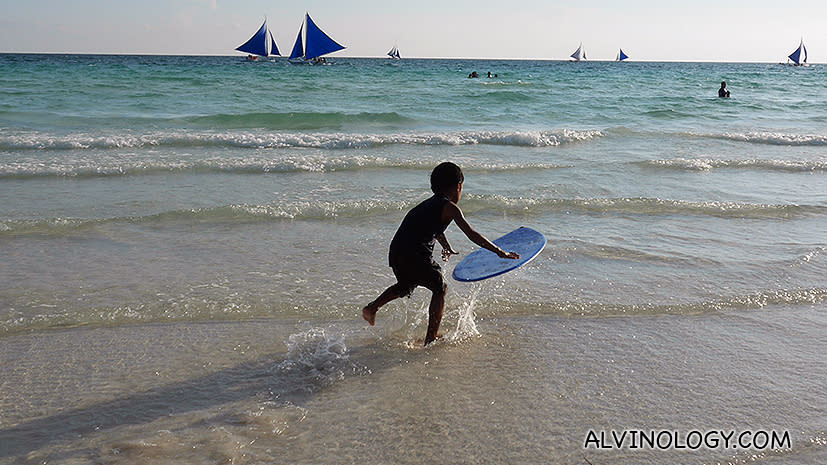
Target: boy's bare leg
point(369, 312)
point(435, 310)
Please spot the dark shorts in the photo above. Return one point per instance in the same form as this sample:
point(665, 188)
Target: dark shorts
point(412, 273)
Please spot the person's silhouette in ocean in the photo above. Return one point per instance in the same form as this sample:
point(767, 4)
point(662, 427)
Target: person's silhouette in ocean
point(723, 92)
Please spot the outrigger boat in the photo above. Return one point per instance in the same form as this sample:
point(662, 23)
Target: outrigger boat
point(394, 53)
point(261, 44)
point(621, 56)
point(312, 43)
point(796, 56)
point(579, 54)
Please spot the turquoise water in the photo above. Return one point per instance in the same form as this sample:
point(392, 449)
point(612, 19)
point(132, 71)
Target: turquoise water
point(207, 224)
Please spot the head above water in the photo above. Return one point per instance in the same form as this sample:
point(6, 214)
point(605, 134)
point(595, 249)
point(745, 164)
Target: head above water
point(446, 177)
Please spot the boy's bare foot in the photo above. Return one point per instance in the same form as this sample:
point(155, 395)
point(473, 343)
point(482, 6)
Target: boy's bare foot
point(369, 314)
point(436, 338)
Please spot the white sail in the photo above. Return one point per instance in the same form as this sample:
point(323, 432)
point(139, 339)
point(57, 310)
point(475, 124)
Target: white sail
point(579, 54)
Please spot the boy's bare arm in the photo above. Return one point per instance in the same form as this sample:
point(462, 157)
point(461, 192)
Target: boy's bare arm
point(453, 212)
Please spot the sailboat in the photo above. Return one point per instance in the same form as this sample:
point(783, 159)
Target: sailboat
point(394, 53)
point(796, 55)
point(261, 44)
point(312, 43)
point(621, 56)
point(579, 54)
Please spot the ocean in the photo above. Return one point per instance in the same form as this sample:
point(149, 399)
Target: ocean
point(186, 244)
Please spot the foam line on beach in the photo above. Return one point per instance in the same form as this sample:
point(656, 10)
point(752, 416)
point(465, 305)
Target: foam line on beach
point(108, 165)
point(768, 138)
point(639, 206)
point(330, 348)
point(342, 209)
point(708, 164)
point(752, 301)
point(274, 140)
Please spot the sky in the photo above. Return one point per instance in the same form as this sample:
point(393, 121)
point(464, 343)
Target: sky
point(646, 30)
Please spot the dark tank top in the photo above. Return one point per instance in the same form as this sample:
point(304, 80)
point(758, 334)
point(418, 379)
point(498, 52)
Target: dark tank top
point(414, 240)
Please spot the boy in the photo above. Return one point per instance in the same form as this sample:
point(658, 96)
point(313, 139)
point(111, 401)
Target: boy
point(412, 246)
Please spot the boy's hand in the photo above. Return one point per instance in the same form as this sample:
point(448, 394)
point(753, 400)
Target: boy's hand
point(512, 255)
point(447, 252)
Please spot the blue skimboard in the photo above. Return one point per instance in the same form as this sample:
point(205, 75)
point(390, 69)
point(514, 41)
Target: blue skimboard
point(483, 264)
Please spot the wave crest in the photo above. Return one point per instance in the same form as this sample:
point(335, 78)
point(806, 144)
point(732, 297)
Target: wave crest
point(256, 140)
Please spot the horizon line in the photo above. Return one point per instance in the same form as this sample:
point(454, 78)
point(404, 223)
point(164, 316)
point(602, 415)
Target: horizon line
point(630, 60)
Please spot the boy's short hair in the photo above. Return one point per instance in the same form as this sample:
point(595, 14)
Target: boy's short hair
point(445, 176)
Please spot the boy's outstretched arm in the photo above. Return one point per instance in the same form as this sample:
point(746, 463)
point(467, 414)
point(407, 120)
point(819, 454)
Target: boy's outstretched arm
point(453, 212)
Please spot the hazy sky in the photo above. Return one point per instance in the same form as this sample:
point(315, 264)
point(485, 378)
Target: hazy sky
point(650, 30)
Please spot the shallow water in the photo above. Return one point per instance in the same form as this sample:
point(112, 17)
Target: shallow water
point(186, 243)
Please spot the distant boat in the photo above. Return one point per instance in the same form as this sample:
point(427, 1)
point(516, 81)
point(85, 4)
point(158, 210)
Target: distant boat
point(394, 53)
point(621, 56)
point(796, 55)
point(261, 44)
point(313, 45)
point(579, 54)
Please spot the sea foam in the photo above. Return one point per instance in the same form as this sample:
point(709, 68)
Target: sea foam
point(265, 139)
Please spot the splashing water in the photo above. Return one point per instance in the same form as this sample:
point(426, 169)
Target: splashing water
point(316, 358)
point(466, 323)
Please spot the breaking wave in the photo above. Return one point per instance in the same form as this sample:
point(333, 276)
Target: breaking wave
point(263, 139)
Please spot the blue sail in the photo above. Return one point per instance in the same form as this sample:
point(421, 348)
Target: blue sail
point(298, 48)
point(318, 43)
point(796, 55)
point(257, 45)
point(622, 56)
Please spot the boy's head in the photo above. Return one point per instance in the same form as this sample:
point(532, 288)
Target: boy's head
point(445, 177)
